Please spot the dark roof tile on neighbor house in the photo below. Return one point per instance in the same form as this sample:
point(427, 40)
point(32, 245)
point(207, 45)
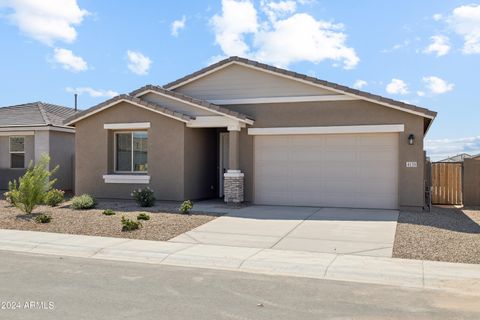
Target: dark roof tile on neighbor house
point(304, 77)
point(34, 114)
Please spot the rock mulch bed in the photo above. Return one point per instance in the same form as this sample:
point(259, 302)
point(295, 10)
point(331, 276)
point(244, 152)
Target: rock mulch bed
point(444, 234)
point(163, 225)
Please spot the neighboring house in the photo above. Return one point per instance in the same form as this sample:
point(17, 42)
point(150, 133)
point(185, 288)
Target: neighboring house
point(458, 158)
point(29, 130)
point(252, 132)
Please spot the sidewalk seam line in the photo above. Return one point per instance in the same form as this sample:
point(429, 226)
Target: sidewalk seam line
point(249, 257)
point(329, 265)
point(109, 246)
point(177, 251)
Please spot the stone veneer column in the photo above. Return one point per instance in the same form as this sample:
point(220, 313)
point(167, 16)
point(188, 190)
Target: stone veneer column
point(234, 178)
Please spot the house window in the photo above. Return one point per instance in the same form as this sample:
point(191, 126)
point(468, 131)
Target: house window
point(17, 152)
point(131, 151)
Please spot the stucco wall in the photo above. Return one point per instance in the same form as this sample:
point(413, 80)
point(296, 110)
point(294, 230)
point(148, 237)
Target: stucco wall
point(6, 173)
point(62, 151)
point(165, 154)
point(340, 113)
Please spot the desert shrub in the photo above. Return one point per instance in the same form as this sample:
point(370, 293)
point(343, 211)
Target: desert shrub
point(54, 197)
point(143, 216)
point(144, 197)
point(109, 212)
point(186, 206)
point(32, 187)
point(130, 225)
point(83, 202)
point(8, 197)
point(43, 218)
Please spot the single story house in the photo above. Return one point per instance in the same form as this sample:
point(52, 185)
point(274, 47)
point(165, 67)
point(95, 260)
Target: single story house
point(29, 130)
point(460, 157)
point(247, 131)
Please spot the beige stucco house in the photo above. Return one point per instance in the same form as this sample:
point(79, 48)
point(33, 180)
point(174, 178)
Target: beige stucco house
point(29, 130)
point(247, 131)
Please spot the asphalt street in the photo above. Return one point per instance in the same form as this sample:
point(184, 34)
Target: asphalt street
point(53, 287)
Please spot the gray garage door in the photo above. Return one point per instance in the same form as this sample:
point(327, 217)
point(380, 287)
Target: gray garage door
point(343, 170)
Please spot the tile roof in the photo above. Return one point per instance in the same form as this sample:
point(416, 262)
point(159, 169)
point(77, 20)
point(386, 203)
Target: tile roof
point(34, 114)
point(304, 77)
point(189, 99)
point(126, 97)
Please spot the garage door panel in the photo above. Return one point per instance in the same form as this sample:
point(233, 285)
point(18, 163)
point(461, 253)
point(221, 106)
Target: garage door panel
point(327, 170)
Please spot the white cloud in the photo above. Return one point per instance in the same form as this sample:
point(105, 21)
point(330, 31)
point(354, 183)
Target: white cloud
point(359, 84)
point(440, 45)
point(237, 19)
point(437, 85)
point(275, 10)
point(69, 61)
point(397, 86)
point(46, 20)
point(283, 38)
point(439, 149)
point(178, 25)
point(398, 46)
point(138, 63)
point(465, 21)
point(421, 93)
point(437, 17)
point(94, 93)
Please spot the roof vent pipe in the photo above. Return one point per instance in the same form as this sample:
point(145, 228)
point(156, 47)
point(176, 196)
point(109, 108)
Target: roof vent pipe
point(76, 95)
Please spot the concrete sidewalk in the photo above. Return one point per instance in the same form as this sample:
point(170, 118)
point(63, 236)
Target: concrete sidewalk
point(458, 278)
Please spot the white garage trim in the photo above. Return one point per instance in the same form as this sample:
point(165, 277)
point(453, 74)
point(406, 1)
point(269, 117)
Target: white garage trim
point(328, 130)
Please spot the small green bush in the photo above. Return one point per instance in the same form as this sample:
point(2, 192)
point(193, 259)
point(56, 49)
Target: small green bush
point(144, 197)
point(83, 202)
point(186, 206)
point(130, 225)
point(31, 188)
point(54, 197)
point(109, 212)
point(43, 218)
point(143, 216)
point(8, 197)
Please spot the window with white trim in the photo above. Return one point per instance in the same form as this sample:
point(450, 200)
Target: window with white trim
point(17, 152)
point(131, 152)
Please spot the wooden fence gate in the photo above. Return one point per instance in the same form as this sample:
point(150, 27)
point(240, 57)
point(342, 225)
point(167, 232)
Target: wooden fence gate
point(447, 183)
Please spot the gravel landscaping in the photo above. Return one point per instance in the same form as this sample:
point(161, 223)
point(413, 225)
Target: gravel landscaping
point(164, 223)
point(444, 234)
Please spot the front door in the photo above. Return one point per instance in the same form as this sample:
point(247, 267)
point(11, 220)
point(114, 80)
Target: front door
point(223, 160)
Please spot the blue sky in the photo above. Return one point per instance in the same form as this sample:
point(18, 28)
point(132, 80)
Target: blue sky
point(423, 52)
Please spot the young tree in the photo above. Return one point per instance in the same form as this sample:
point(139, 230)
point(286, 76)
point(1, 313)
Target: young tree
point(31, 189)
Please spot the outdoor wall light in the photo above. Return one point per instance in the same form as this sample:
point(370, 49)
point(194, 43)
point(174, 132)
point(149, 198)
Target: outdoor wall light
point(411, 139)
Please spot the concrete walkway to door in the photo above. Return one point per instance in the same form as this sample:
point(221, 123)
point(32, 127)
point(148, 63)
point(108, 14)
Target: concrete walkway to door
point(330, 230)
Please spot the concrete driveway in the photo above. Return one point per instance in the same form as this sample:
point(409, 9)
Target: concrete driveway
point(331, 230)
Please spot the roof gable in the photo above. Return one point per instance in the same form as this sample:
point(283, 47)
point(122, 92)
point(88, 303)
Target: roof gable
point(329, 86)
point(171, 96)
point(133, 101)
point(237, 81)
